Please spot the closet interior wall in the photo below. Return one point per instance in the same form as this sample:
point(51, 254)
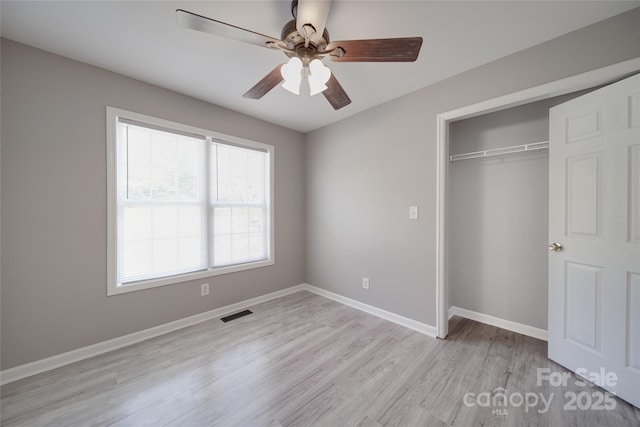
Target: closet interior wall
point(498, 221)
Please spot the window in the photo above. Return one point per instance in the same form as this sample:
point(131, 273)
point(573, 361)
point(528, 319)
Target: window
point(184, 203)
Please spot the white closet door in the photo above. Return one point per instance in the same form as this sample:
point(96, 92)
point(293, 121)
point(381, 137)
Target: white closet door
point(594, 196)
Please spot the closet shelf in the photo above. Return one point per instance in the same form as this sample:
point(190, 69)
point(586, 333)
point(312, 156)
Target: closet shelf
point(534, 146)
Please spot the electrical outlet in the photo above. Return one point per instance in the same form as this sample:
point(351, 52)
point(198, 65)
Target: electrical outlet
point(204, 289)
point(365, 282)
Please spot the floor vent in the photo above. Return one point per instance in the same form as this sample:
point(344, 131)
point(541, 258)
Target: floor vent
point(235, 316)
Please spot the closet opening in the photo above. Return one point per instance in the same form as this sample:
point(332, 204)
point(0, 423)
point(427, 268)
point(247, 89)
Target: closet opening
point(498, 204)
point(506, 135)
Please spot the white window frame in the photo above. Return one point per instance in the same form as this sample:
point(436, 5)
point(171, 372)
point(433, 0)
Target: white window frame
point(113, 285)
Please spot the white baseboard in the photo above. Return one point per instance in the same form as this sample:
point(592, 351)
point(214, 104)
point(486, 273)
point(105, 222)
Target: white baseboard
point(519, 328)
point(39, 366)
point(387, 315)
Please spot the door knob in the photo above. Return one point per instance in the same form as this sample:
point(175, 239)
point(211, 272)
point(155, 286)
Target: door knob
point(556, 247)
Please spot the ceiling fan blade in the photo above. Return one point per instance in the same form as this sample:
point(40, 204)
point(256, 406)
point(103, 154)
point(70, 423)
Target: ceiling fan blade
point(335, 94)
point(314, 12)
point(269, 81)
point(202, 23)
point(404, 49)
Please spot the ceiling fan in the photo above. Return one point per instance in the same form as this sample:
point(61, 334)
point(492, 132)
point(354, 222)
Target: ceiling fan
point(305, 41)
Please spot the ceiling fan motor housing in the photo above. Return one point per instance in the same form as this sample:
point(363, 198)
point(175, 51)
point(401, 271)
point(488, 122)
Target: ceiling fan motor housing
point(296, 42)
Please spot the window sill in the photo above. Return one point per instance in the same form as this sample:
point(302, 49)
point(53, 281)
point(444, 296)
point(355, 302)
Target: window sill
point(116, 289)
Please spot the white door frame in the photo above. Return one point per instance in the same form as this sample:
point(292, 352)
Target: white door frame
point(560, 87)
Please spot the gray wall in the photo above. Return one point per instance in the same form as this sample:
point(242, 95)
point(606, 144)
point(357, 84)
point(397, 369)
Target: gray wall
point(364, 172)
point(54, 207)
point(498, 224)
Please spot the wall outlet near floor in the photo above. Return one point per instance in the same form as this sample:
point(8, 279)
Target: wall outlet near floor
point(365, 282)
point(204, 289)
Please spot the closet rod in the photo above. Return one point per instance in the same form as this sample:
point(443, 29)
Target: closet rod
point(534, 146)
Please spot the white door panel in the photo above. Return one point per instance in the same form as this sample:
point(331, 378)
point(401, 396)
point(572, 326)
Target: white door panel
point(584, 195)
point(594, 212)
point(633, 323)
point(634, 190)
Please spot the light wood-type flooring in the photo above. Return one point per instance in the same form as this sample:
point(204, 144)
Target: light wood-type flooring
point(304, 360)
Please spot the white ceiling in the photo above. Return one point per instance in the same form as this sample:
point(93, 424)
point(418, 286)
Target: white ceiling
point(141, 39)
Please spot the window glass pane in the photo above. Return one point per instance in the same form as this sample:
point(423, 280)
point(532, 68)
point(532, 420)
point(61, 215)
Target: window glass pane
point(222, 250)
point(240, 247)
point(165, 256)
point(164, 222)
point(190, 253)
point(255, 164)
point(138, 165)
point(136, 223)
point(256, 220)
point(162, 240)
point(213, 176)
point(162, 228)
point(257, 245)
point(239, 220)
point(239, 175)
point(190, 221)
point(162, 166)
point(136, 260)
point(240, 207)
point(239, 234)
point(221, 221)
point(256, 177)
point(255, 190)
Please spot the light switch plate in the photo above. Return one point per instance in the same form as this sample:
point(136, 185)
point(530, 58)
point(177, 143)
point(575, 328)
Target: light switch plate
point(413, 212)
